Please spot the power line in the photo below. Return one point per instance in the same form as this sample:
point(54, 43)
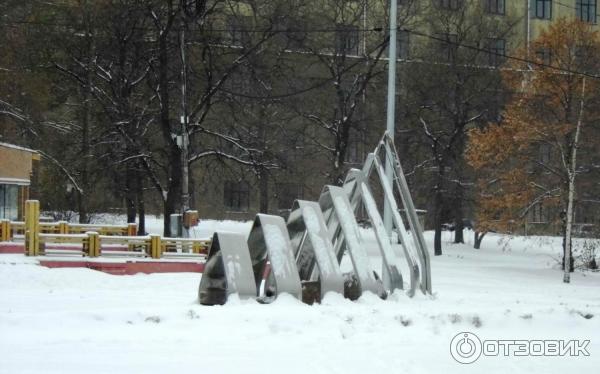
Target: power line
point(352, 30)
point(507, 56)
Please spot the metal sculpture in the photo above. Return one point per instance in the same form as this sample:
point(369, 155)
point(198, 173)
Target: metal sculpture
point(308, 251)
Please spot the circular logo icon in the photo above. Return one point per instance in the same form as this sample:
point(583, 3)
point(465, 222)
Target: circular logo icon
point(465, 348)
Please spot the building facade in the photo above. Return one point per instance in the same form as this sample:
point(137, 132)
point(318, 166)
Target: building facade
point(236, 193)
point(16, 170)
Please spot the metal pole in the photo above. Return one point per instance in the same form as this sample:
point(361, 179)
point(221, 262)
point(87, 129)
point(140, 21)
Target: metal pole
point(391, 107)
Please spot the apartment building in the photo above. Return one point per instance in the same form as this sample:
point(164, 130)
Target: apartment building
point(302, 169)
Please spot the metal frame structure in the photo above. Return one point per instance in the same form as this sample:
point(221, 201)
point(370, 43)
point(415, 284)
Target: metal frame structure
point(279, 258)
point(312, 247)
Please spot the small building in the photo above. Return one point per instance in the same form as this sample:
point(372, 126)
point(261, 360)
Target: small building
point(16, 168)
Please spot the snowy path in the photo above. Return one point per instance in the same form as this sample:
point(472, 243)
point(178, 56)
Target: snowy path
point(82, 321)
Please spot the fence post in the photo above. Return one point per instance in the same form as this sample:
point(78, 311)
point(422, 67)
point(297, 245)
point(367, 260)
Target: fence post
point(93, 244)
point(5, 228)
point(155, 246)
point(63, 227)
point(131, 229)
point(196, 247)
point(32, 228)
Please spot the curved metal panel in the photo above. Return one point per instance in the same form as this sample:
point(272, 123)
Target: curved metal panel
point(269, 241)
point(312, 245)
point(228, 270)
point(410, 252)
point(387, 143)
point(392, 273)
point(344, 229)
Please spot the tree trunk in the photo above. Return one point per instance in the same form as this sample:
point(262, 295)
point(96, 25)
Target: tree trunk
point(571, 173)
point(81, 208)
point(459, 189)
point(173, 200)
point(459, 231)
point(567, 256)
point(192, 189)
point(438, 213)
point(173, 192)
point(130, 193)
point(141, 207)
point(264, 191)
point(85, 157)
point(478, 239)
point(437, 240)
point(86, 123)
point(339, 158)
point(84, 166)
point(458, 216)
point(263, 173)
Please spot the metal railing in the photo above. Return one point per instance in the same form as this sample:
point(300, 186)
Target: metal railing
point(11, 229)
point(93, 240)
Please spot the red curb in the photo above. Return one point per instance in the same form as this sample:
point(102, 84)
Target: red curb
point(129, 267)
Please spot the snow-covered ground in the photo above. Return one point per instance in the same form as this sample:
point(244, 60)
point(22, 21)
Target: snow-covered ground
point(83, 321)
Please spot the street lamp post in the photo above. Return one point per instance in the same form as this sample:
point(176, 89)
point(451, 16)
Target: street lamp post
point(391, 106)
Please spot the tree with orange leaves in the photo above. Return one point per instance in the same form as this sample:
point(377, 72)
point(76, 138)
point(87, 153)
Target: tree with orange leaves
point(545, 137)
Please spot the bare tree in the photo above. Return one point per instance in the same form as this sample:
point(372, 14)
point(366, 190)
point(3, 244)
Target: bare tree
point(453, 85)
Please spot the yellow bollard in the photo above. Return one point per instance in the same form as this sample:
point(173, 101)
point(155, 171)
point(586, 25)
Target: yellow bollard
point(131, 229)
point(155, 246)
point(63, 227)
point(5, 230)
point(93, 248)
point(32, 228)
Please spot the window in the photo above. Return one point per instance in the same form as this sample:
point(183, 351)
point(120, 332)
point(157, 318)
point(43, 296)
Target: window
point(346, 39)
point(544, 56)
point(586, 10)
point(450, 4)
point(9, 198)
point(494, 6)
point(543, 9)
point(448, 46)
point(496, 51)
point(236, 196)
point(287, 193)
point(402, 45)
